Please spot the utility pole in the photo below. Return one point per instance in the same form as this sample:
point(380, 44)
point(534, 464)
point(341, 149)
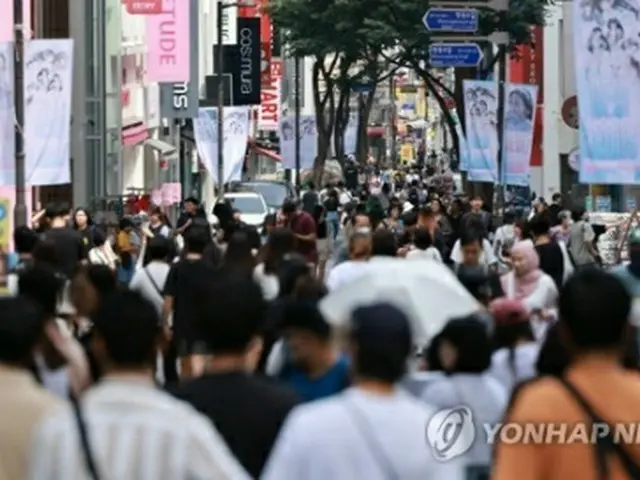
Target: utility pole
point(392, 116)
point(502, 85)
point(20, 209)
point(220, 72)
point(296, 80)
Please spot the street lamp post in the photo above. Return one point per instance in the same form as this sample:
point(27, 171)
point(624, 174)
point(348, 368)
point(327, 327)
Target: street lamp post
point(219, 71)
point(20, 209)
point(297, 119)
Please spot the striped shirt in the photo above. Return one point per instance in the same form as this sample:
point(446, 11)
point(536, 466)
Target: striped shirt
point(136, 432)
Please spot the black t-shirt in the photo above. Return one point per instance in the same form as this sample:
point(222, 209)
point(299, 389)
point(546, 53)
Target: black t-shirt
point(309, 201)
point(332, 204)
point(552, 261)
point(247, 410)
point(70, 248)
point(185, 283)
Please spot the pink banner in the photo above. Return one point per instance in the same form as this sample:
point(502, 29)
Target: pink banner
point(6, 20)
point(168, 43)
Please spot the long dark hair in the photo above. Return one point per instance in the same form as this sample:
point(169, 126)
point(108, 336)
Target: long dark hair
point(280, 243)
point(238, 257)
point(508, 336)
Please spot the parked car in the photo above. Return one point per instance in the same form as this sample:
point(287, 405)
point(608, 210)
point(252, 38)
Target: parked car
point(252, 206)
point(274, 192)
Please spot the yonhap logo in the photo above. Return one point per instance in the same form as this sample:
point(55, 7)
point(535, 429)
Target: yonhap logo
point(451, 432)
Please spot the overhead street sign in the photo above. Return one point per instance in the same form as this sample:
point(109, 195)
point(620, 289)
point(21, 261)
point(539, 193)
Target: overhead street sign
point(451, 20)
point(443, 55)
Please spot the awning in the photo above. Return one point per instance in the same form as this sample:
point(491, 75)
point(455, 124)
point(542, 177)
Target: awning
point(163, 148)
point(268, 153)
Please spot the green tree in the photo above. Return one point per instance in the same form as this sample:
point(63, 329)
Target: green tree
point(344, 48)
point(404, 21)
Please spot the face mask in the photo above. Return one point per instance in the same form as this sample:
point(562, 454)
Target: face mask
point(365, 230)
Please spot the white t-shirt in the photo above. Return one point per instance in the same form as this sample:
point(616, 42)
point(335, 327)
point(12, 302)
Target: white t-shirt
point(430, 253)
point(487, 257)
point(356, 435)
point(344, 273)
point(141, 283)
point(482, 394)
point(269, 283)
point(524, 364)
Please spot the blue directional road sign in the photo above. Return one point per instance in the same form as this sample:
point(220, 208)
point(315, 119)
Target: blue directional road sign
point(451, 20)
point(443, 55)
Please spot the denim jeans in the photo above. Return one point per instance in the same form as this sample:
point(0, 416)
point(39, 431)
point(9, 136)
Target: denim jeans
point(333, 220)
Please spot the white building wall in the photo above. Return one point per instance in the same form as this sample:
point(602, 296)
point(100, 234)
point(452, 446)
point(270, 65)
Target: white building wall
point(133, 96)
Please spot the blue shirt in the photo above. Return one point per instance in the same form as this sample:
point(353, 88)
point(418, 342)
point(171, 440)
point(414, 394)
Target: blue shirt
point(333, 381)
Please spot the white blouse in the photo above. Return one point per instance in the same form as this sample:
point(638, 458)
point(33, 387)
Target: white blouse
point(543, 298)
point(522, 369)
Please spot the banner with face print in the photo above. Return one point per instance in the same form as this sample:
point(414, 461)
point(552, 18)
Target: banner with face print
point(517, 127)
point(236, 132)
point(48, 74)
point(351, 135)
point(7, 137)
point(480, 113)
point(308, 141)
point(607, 65)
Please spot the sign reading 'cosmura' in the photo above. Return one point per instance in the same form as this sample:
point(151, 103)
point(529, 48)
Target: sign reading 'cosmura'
point(242, 61)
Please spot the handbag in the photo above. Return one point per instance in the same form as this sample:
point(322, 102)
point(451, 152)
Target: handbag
point(87, 453)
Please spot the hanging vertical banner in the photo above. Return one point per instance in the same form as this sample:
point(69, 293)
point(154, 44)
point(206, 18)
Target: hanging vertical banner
point(308, 141)
point(7, 137)
point(168, 42)
point(6, 20)
point(480, 113)
point(608, 88)
point(180, 100)
point(351, 135)
point(269, 113)
point(236, 134)
point(518, 126)
point(48, 73)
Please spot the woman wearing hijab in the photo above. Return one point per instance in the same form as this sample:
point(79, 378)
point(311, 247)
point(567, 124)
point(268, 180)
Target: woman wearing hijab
point(529, 284)
point(516, 352)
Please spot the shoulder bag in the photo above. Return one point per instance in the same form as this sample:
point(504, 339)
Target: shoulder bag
point(605, 446)
point(87, 453)
point(367, 434)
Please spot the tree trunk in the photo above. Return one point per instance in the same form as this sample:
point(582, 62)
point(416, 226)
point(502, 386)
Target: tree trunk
point(324, 103)
point(451, 125)
point(341, 122)
point(365, 103)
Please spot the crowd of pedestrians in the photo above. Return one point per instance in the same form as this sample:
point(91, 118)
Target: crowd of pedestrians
point(154, 351)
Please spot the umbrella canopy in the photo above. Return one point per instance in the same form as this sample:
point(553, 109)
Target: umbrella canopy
point(427, 291)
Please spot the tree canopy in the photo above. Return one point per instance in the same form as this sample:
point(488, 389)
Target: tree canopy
point(352, 38)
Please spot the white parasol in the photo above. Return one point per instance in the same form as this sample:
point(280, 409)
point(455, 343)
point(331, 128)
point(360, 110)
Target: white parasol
point(427, 291)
